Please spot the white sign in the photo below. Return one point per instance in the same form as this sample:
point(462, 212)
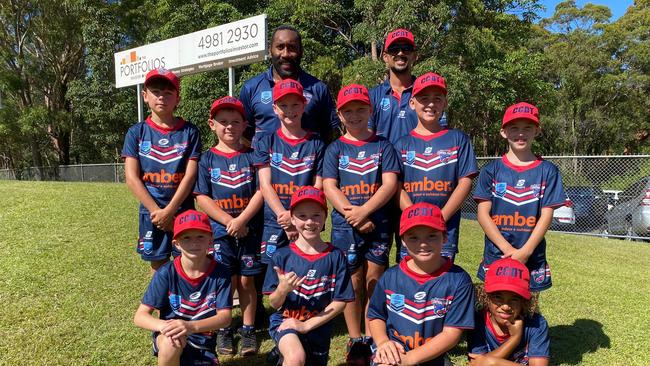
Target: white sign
point(236, 43)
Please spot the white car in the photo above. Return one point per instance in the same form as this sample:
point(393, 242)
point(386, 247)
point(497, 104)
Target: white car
point(564, 218)
point(631, 216)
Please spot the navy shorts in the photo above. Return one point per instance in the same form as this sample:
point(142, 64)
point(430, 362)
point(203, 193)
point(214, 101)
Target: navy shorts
point(192, 356)
point(154, 244)
point(316, 346)
point(373, 246)
point(273, 237)
point(540, 273)
point(240, 256)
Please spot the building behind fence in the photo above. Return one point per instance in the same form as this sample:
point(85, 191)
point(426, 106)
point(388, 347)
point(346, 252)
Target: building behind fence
point(610, 195)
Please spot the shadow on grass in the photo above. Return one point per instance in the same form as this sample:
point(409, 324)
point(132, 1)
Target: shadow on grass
point(570, 342)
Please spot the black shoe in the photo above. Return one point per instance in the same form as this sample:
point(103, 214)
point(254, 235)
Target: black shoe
point(357, 352)
point(248, 343)
point(225, 342)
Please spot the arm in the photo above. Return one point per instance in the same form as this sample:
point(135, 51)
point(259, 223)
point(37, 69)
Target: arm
point(441, 343)
point(271, 197)
point(388, 351)
point(536, 236)
point(287, 282)
point(356, 215)
point(166, 215)
point(457, 197)
point(144, 319)
point(132, 174)
point(179, 328)
point(404, 199)
point(209, 206)
point(333, 309)
point(490, 228)
point(318, 182)
point(238, 224)
point(334, 194)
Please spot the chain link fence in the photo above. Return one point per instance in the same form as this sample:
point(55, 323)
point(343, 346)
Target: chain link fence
point(607, 195)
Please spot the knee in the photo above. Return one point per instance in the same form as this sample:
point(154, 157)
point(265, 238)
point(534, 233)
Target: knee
point(296, 357)
point(247, 284)
point(168, 350)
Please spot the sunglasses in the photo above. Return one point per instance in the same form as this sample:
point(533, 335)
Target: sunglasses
point(395, 49)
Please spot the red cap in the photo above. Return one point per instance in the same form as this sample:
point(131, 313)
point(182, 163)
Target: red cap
point(422, 214)
point(399, 35)
point(521, 110)
point(163, 74)
point(227, 102)
point(286, 87)
point(508, 274)
point(352, 92)
point(308, 193)
point(191, 219)
point(427, 80)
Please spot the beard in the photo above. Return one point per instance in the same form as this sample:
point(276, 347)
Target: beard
point(292, 72)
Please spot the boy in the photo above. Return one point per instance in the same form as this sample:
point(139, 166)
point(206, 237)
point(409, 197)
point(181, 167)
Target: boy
point(516, 197)
point(359, 178)
point(308, 283)
point(421, 306)
point(192, 296)
point(227, 191)
point(508, 330)
point(287, 159)
point(438, 164)
point(160, 164)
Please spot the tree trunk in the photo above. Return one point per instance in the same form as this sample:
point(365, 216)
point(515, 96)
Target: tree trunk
point(373, 50)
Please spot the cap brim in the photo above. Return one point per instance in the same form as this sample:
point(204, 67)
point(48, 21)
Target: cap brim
point(236, 107)
point(323, 206)
point(399, 39)
point(516, 117)
point(160, 77)
point(508, 287)
point(205, 230)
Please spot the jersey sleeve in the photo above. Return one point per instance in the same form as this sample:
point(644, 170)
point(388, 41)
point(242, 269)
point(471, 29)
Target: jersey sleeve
point(476, 342)
point(461, 309)
point(245, 99)
point(130, 148)
point(271, 278)
point(223, 299)
point(483, 189)
point(467, 166)
point(390, 161)
point(554, 195)
point(538, 338)
point(318, 163)
point(400, 162)
point(331, 162)
point(195, 143)
point(261, 154)
point(156, 295)
point(377, 304)
point(343, 290)
point(203, 185)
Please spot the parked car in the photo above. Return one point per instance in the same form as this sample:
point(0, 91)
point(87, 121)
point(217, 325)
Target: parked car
point(631, 216)
point(564, 219)
point(612, 197)
point(589, 206)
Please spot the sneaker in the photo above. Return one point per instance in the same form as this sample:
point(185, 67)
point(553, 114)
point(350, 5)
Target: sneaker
point(357, 352)
point(225, 342)
point(248, 342)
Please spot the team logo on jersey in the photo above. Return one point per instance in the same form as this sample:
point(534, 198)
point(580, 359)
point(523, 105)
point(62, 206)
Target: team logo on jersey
point(175, 301)
point(420, 296)
point(397, 302)
point(217, 247)
point(344, 161)
point(361, 155)
point(428, 150)
point(352, 258)
point(148, 234)
point(266, 96)
point(307, 96)
point(211, 300)
point(309, 161)
point(384, 104)
point(195, 296)
point(247, 260)
point(520, 183)
point(402, 114)
point(441, 306)
point(163, 142)
point(147, 246)
point(500, 189)
point(247, 174)
point(180, 148)
point(215, 175)
point(270, 249)
point(539, 275)
point(444, 155)
point(311, 274)
point(276, 159)
point(273, 238)
point(294, 155)
point(375, 158)
point(536, 188)
point(232, 167)
point(410, 157)
point(145, 147)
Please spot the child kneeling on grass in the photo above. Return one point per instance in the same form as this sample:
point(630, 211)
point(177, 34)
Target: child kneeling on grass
point(508, 330)
point(308, 282)
point(420, 307)
point(192, 296)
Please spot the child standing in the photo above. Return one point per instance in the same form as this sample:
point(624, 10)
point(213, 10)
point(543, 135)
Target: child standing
point(226, 190)
point(359, 178)
point(438, 164)
point(308, 283)
point(516, 197)
point(192, 296)
point(160, 164)
point(288, 159)
point(421, 306)
point(508, 330)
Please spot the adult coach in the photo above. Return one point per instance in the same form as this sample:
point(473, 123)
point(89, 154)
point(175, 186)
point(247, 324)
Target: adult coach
point(256, 94)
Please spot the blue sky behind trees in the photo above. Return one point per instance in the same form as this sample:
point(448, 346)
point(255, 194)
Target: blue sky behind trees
point(618, 7)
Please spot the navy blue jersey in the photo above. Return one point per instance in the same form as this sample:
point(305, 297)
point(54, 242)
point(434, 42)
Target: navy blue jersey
point(392, 117)
point(518, 194)
point(294, 163)
point(357, 166)
point(535, 342)
point(327, 280)
point(431, 167)
point(257, 96)
point(230, 180)
point(178, 296)
point(417, 307)
point(163, 155)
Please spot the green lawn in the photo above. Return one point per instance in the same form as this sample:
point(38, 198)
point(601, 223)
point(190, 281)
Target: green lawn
point(72, 281)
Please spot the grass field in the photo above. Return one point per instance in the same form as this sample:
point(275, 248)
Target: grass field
point(72, 281)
